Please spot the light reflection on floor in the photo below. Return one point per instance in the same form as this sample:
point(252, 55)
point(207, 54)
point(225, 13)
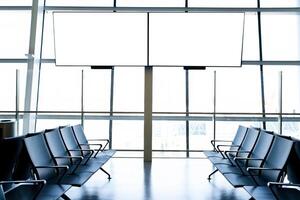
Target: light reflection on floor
point(170, 179)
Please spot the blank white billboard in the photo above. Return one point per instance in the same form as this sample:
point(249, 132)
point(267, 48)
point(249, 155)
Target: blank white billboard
point(103, 39)
point(196, 39)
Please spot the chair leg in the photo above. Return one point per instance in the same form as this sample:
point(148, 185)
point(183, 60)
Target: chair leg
point(209, 176)
point(64, 196)
point(109, 177)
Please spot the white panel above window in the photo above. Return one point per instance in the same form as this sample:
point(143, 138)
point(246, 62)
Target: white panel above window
point(100, 38)
point(196, 39)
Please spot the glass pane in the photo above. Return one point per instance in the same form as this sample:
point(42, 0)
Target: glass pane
point(196, 39)
point(100, 38)
point(129, 89)
point(279, 3)
point(80, 3)
point(128, 134)
point(251, 42)
point(14, 34)
point(48, 37)
point(226, 130)
point(43, 124)
point(60, 89)
point(280, 36)
point(151, 3)
point(95, 129)
point(290, 93)
point(8, 86)
point(168, 89)
point(201, 91)
point(272, 88)
point(225, 3)
point(290, 89)
point(291, 128)
point(169, 135)
point(15, 2)
point(238, 90)
point(201, 133)
point(96, 90)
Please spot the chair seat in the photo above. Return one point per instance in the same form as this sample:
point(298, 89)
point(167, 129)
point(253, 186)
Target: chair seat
point(27, 192)
point(225, 169)
point(237, 180)
point(212, 154)
point(260, 192)
point(219, 160)
point(76, 179)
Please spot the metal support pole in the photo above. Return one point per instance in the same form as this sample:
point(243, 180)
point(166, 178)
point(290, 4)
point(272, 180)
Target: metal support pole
point(40, 66)
point(17, 101)
point(148, 104)
point(280, 102)
point(82, 98)
point(261, 66)
point(111, 106)
point(187, 124)
point(215, 105)
point(148, 114)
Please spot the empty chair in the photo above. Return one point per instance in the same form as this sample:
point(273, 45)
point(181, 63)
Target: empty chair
point(255, 158)
point(22, 190)
point(61, 153)
point(45, 166)
point(75, 149)
point(289, 190)
point(84, 143)
point(272, 168)
point(234, 144)
point(243, 151)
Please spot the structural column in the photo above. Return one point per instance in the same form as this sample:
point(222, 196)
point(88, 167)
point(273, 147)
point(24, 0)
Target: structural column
point(33, 69)
point(148, 114)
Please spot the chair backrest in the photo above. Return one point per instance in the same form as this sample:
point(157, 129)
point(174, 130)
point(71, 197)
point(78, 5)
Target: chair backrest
point(240, 135)
point(277, 158)
point(70, 141)
point(80, 136)
point(248, 142)
point(10, 149)
point(24, 165)
point(293, 166)
point(40, 155)
point(57, 146)
point(2, 197)
point(261, 148)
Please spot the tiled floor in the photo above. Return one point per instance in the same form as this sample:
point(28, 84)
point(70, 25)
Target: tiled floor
point(164, 179)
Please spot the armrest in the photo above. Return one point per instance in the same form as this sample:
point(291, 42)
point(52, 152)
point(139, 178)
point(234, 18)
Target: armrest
point(228, 145)
point(213, 143)
point(70, 157)
point(241, 151)
point(241, 158)
point(65, 167)
point(98, 139)
point(270, 184)
point(24, 181)
point(262, 168)
point(54, 167)
point(105, 140)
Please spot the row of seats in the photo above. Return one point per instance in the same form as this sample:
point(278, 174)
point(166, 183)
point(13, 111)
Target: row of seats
point(259, 161)
point(51, 162)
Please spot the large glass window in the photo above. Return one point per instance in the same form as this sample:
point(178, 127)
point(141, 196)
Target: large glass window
point(129, 89)
point(280, 36)
point(14, 34)
point(8, 86)
point(60, 89)
point(96, 86)
point(238, 90)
